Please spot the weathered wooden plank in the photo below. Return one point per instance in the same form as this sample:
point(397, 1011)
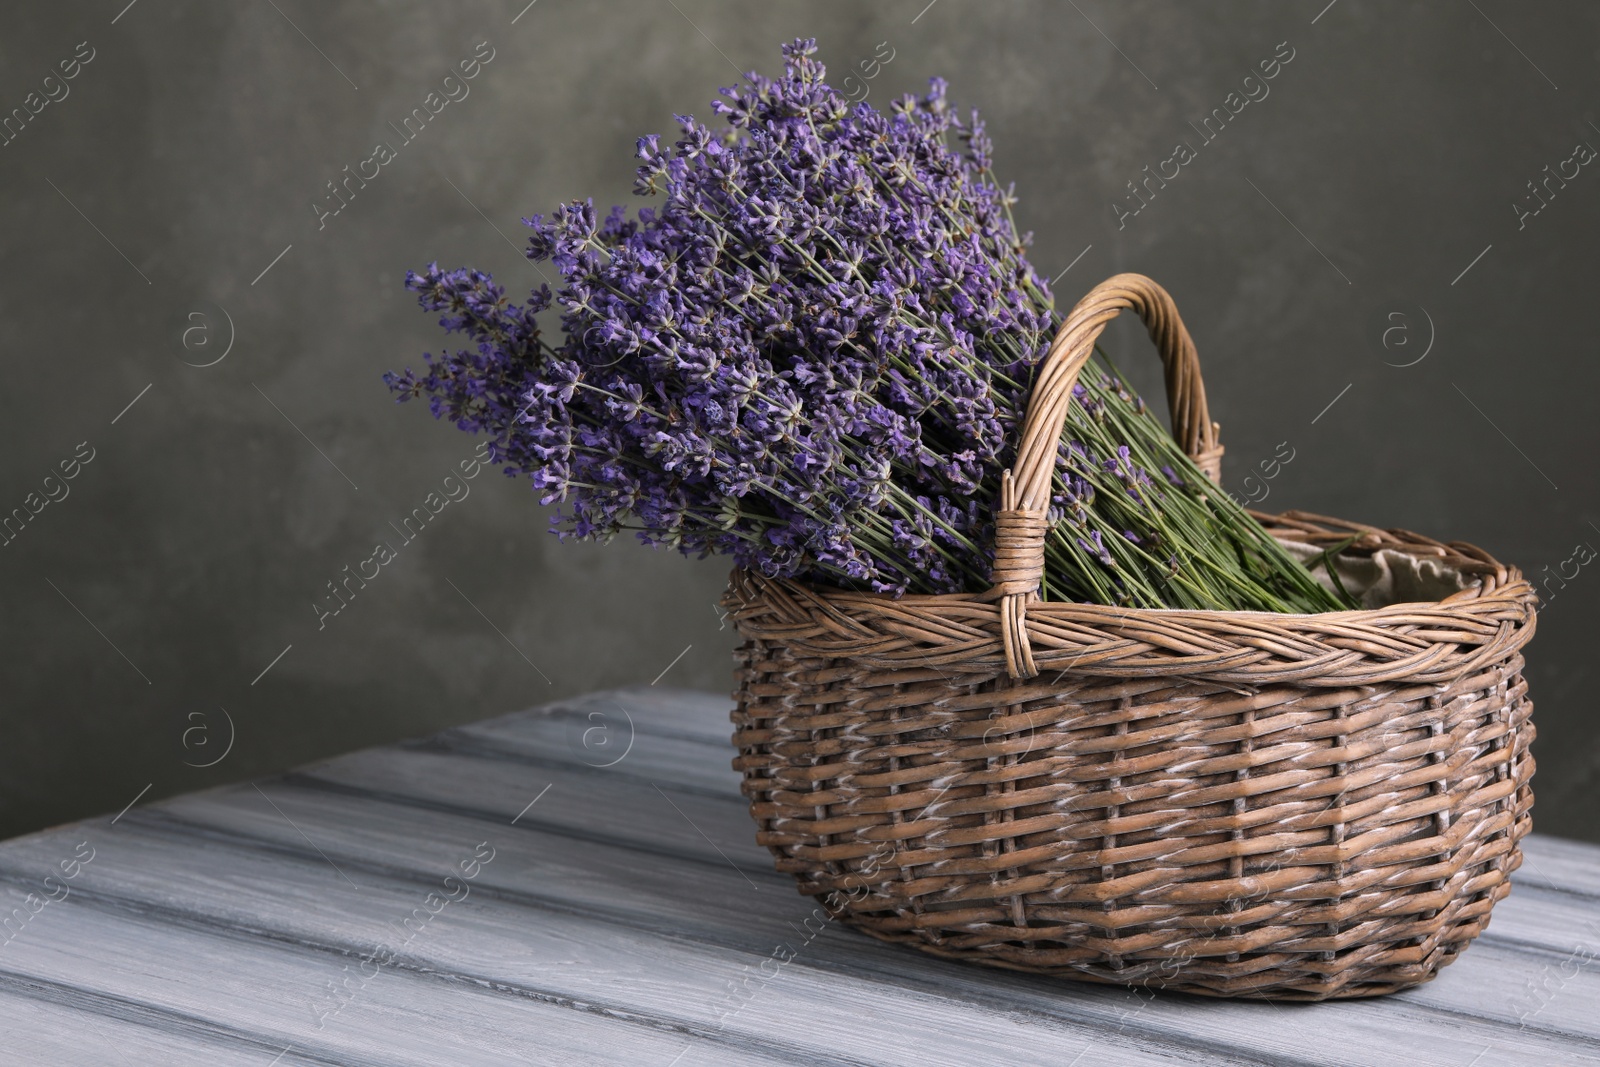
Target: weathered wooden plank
point(1559, 1019)
point(614, 914)
point(246, 987)
point(656, 971)
point(76, 1027)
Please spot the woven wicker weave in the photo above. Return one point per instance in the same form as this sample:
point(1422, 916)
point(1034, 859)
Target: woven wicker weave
point(1227, 803)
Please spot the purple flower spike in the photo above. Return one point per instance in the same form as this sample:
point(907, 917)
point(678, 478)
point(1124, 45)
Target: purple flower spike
point(813, 354)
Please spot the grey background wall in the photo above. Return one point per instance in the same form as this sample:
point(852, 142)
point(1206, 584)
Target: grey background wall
point(162, 211)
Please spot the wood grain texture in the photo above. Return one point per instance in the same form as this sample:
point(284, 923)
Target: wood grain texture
point(404, 905)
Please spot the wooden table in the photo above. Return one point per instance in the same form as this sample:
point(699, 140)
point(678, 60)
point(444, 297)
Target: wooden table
point(561, 887)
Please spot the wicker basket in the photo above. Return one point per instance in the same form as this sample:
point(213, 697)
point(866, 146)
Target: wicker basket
point(1227, 803)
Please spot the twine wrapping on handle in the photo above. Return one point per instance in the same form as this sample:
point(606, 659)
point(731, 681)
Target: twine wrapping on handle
point(1018, 569)
point(1020, 525)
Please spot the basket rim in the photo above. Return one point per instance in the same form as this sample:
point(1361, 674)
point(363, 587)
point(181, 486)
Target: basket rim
point(1415, 641)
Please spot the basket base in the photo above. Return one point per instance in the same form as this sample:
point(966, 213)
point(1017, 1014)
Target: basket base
point(1373, 973)
point(1277, 843)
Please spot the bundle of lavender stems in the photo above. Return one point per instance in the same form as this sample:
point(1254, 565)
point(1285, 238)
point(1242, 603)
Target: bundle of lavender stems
point(814, 357)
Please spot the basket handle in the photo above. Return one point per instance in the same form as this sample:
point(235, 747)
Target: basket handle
point(1020, 525)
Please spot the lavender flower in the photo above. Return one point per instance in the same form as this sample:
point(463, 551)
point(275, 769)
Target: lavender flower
point(814, 357)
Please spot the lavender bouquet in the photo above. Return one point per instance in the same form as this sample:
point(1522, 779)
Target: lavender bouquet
point(815, 357)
